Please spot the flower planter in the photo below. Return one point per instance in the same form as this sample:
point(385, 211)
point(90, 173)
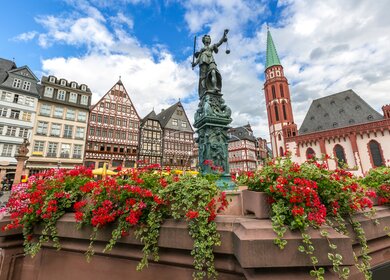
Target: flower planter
point(256, 203)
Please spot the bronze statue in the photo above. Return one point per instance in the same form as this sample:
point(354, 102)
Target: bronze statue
point(209, 77)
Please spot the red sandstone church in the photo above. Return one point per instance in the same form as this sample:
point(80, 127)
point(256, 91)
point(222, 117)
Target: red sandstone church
point(341, 125)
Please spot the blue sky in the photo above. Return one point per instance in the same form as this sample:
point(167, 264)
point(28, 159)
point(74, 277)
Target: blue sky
point(325, 47)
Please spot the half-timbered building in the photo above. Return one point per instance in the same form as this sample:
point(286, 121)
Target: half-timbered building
point(178, 137)
point(150, 140)
point(242, 149)
point(113, 130)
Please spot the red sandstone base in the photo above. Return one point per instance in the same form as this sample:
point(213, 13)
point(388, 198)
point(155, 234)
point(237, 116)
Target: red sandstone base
point(247, 252)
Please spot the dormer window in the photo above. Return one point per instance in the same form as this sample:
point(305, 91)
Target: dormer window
point(52, 79)
point(332, 102)
point(370, 117)
point(73, 85)
point(63, 82)
point(83, 87)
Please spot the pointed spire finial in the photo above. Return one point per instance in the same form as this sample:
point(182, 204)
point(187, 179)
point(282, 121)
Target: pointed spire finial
point(272, 57)
point(120, 77)
point(267, 27)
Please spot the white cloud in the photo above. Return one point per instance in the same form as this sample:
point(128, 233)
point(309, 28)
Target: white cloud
point(27, 36)
point(324, 47)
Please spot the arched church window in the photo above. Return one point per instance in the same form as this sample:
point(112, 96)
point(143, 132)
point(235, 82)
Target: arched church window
point(279, 137)
point(310, 153)
point(281, 90)
point(340, 155)
point(281, 151)
point(375, 153)
point(273, 92)
point(276, 112)
point(284, 110)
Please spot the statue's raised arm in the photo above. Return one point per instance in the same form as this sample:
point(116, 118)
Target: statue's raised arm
point(223, 39)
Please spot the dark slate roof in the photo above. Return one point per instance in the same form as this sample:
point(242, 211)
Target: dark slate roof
point(241, 133)
point(165, 115)
point(341, 109)
point(151, 116)
point(5, 65)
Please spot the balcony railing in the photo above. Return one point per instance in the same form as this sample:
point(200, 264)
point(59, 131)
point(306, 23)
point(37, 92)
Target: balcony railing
point(64, 155)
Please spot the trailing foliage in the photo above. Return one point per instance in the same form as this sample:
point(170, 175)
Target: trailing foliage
point(136, 199)
point(311, 195)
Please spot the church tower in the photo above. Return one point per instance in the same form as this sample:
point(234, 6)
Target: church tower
point(278, 101)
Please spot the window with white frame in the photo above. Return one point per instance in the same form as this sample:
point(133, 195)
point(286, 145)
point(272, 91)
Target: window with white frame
point(26, 85)
point(3, 112)
point(48, 92)
point(7, 150)
point(77, 151)
point(83, 87)
point(84, 100)
point(70, 114)
point(81, 116)
point(65, 150)
point(55, 129)
point(68, 131)
point(38, 146)
point(52, 149)
point(6, 96)
point(23, 132)
point(174, 122)
point(73, 85)
point(29, 101)
point(80, 132)
point(63, 82)
point(26, 116)
point(42, 128)
point(11, 131)
point(45, 110)
point(61, 94)
point(1, 129)
point(52, 79)
point(17, 83)
point(58, 112)
point(183, 124)
point(73, 97)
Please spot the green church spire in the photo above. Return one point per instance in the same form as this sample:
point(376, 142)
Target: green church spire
point(272, 55)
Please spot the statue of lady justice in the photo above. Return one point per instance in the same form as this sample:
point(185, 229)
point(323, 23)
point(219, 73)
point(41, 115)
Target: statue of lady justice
point(209, 77)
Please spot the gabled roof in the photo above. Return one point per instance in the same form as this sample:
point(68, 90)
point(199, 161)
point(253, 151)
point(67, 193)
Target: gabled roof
point(241, 133)
point(272, 57)
point(27, 68)
point(151, 116)
point(165, 115)
point(341, 109)
point(5, 66)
